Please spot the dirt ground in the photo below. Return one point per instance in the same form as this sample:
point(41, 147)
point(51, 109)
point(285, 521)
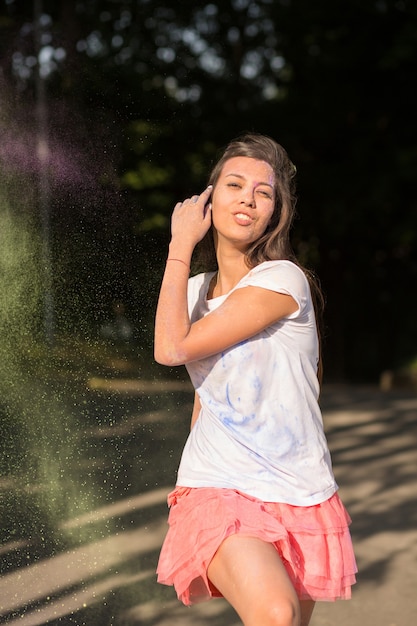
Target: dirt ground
point(110, 581)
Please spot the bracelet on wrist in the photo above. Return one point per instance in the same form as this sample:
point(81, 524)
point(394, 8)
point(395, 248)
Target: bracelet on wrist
point(179, 261)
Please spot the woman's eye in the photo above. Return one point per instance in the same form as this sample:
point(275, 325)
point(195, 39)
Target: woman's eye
point(265, 194)
point(233, 185)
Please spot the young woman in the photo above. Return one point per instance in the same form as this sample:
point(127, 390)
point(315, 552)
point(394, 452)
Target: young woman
point(255, 515)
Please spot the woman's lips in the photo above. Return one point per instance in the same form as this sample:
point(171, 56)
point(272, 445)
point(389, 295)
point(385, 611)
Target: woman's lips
point(243, 219)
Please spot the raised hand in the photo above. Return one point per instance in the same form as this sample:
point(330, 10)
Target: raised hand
point(191, 219)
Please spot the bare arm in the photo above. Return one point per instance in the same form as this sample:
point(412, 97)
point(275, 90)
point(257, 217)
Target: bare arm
point(191, 220)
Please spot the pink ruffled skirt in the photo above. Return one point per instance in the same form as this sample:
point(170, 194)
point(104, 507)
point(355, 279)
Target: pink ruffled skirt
point(313, 542)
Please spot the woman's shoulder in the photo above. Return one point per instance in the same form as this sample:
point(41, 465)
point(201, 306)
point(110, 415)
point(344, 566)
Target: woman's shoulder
point(282, 276)
point(282, 269)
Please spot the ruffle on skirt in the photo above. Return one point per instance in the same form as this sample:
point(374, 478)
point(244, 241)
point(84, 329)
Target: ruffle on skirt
point(313, 542)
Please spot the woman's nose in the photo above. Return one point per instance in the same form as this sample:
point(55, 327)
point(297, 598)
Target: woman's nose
point(248, 198)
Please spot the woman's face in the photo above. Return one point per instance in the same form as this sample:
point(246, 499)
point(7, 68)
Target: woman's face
point(243, 200)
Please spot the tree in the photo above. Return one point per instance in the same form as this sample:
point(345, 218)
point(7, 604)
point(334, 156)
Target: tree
point(150, 92)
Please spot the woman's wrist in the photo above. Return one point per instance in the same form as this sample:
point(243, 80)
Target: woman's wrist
point(180, 253)
point(187, 265)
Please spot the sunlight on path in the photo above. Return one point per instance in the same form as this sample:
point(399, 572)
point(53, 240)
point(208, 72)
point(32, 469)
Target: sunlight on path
point(75, 567)
point(373, 439)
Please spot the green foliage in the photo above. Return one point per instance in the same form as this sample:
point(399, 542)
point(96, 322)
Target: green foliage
point(21, 291)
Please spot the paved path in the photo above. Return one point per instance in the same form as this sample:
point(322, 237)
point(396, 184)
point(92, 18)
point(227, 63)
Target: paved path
point(373, 438)
point(110, 581)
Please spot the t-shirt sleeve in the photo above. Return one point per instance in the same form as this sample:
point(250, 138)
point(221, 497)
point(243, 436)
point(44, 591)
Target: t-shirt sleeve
point(282, 277)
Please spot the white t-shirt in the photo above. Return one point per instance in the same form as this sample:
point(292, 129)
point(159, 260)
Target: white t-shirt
point(260, 428)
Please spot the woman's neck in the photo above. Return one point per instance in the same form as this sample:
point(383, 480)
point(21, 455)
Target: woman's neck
point(232, 268)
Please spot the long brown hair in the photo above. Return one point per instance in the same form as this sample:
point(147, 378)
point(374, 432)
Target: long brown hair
point(275, 243)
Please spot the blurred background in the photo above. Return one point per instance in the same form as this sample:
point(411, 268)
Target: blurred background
point(110, 112)
point(113, 110)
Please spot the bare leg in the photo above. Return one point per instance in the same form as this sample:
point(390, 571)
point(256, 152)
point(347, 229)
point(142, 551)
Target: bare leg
point(251, 576)
point(307, 607)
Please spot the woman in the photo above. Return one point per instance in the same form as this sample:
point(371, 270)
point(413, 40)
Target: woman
point(255, 516)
